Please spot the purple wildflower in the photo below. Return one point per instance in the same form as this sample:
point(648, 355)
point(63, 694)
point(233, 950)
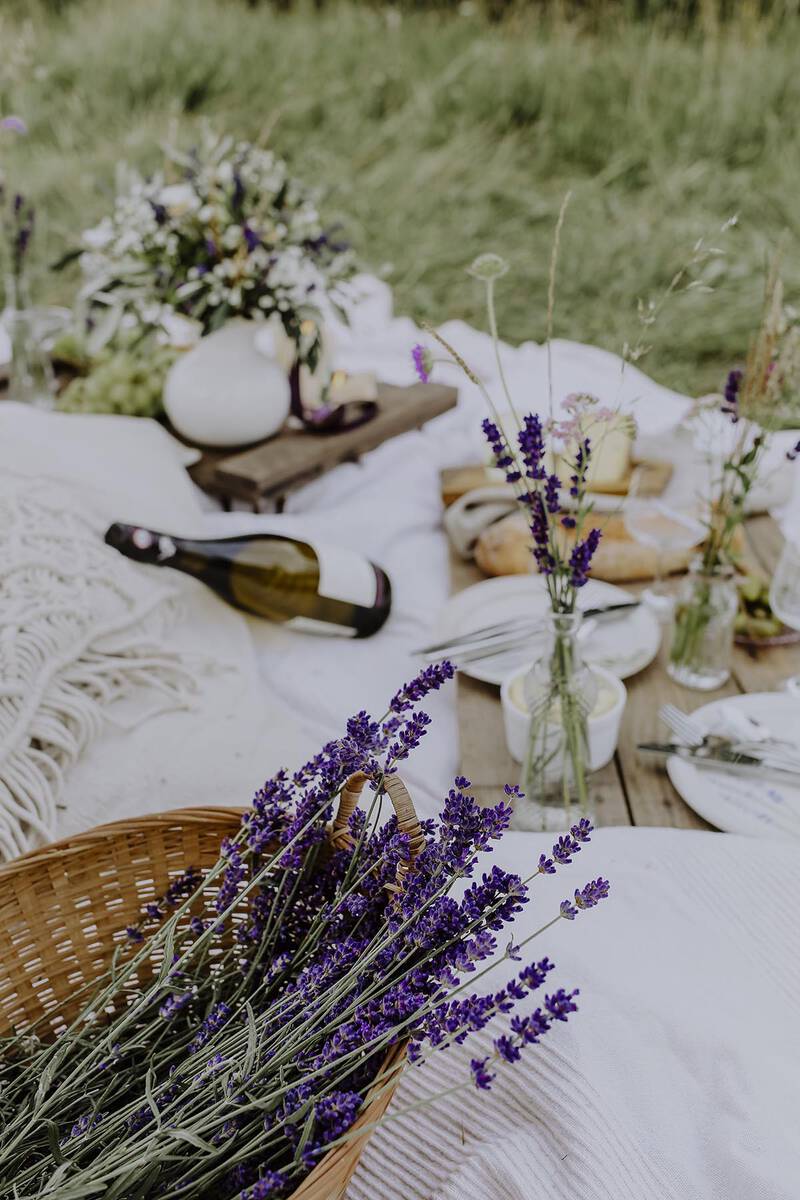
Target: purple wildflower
point(568, 911)
point(541, 536)
point(423, 362)
point(175, 1004)
point(409, 736)
point(507, 1049)
point(582, 830)
point(251, 238)
point(733, 385)
point(551, 494)
point(581, 557)
point(501, 450)
point(480, 1076)
point(531, 444)
point(15, 124)
point(582, 458)
point(270, 1184)
point(233, 876)
point(430, 679)
point(534, 976)
point(334, 1114)
point(594, 891)
point(167, 1096)
point(560, 1004)
point(85, 1124)
point(793, 453)
point(564, 847)
point(218, 1016)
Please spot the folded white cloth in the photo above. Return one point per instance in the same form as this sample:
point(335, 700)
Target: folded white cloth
point(676, 1080)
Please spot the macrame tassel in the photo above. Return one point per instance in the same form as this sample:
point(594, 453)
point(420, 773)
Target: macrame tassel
point(80, 629)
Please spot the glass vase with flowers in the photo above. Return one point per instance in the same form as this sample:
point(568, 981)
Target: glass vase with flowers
point(753, 402)
point(546, 463)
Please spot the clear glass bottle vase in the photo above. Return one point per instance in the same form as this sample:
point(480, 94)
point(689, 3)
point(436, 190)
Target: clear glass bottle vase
point(703, 625)
point(31, 379)
point(560, 692)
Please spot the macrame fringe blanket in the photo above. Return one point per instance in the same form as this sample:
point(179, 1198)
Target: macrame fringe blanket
point(81, 631)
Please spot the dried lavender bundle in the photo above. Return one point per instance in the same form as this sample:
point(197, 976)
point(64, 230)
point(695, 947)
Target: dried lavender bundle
point(270, 1017)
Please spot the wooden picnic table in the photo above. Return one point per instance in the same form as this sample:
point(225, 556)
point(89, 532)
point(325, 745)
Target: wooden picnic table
point(632, 789)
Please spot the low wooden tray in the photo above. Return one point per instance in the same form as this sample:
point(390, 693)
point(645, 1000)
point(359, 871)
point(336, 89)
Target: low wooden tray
point(268, 471)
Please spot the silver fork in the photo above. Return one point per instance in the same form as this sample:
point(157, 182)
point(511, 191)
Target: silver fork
point(685, 728)
point(772, 752)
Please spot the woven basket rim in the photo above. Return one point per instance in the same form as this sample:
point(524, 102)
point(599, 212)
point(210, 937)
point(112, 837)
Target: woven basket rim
point(76, 842)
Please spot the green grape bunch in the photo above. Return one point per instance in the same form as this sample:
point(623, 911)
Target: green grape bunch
point(124, 382)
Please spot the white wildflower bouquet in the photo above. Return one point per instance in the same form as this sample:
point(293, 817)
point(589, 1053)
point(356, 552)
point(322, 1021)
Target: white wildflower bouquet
point(224, 230)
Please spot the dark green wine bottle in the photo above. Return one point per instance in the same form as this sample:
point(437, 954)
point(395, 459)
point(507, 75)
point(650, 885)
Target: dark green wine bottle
point(303, 585)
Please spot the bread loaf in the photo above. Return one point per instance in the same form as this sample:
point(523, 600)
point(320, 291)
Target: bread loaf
point(505, 549)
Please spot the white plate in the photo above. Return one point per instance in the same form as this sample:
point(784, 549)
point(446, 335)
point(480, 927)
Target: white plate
point(744, 803)
point(623, 645)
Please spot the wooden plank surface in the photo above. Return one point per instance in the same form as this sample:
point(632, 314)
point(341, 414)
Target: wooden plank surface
point(632, 789)
point(294, 456)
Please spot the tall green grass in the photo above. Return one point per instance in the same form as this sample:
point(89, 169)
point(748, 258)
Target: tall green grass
point(438, 136)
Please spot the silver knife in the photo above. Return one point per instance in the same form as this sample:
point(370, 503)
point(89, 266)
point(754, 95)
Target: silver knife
point(721, 758)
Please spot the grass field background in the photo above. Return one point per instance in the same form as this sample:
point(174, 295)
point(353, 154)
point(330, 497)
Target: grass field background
point(438, 135)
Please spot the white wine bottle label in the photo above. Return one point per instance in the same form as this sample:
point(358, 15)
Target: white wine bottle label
point(345, 575)
point(311, 625)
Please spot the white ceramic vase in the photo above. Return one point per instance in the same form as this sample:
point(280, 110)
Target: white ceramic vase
point(225, 391)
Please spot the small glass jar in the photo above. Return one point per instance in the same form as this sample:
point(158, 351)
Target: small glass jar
point(560, 691)
point(703, 625)
point(31, 379)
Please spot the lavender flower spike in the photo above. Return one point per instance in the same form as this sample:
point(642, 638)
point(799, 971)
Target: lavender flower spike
point(423, 362)
point(480, 1076)
point(269, 1184)
point(733, 386)
point(581, 557)
point(594, 891)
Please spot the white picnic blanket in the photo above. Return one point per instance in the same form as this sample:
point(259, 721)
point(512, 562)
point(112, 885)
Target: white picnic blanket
point(678, 1078)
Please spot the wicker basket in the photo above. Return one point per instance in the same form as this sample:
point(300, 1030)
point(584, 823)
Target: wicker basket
point(64, 908)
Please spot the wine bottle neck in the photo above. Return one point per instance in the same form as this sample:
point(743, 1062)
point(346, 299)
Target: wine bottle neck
point(142, 545)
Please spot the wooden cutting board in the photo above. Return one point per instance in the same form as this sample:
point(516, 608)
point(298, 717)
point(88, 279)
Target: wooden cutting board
point(456, 481)
point(268, 471)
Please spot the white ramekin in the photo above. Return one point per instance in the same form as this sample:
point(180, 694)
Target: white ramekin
point(603, 730)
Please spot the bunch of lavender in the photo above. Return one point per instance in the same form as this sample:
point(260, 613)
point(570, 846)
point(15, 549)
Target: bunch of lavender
point(560, 691)
point(288, 981)
point(754, 401)
point(224, 231)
